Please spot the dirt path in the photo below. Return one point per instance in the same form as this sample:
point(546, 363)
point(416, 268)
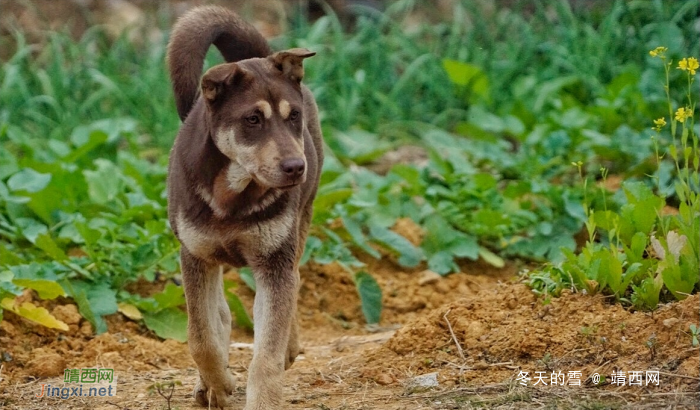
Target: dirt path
point(473, 331)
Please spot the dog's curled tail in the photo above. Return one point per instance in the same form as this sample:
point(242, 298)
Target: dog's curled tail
point(190, 39)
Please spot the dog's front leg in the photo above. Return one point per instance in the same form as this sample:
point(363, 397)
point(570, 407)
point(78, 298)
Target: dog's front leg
point(209, 330)
point(293, 345)
point(276, 282)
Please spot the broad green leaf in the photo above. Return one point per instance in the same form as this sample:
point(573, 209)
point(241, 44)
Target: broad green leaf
point(614, 272)
point(370, 296)
point(646, 295)
point(357, 145)
point(94, 301)
point(679, 277)
point(358, 237)
point(104, 183)
point(630, 274)
point(8, 164)
point(468, 75)
point(237, 308)
point(548, 90)
point(409, 255)
point(34, 313)
point(491, 258)
point(130, 311)
point(97, 322)
point(464, 246)
point(246, 275)
point(7, 287)
point(31, 228)
point(95, 139)
point(47, 289)
point(102, 298)
point(9, 258)
point(47, 244)
point(28, 180)
point(313, 243)
point(325, 201)
point(239, 312)
point(171, 296)
point(635, 253)
point(442, 262)
point(168, 323)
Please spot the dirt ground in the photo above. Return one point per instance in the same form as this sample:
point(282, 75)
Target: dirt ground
point(471, 333)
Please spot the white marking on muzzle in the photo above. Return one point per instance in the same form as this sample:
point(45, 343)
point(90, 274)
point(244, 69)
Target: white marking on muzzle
point(238, 178)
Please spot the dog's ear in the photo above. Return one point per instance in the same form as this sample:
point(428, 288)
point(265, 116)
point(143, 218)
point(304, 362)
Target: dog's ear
point(289, 62)
point(218, 78)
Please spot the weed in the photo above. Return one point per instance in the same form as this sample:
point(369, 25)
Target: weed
point(652, 344)
point(694, 334)
point(165, 390)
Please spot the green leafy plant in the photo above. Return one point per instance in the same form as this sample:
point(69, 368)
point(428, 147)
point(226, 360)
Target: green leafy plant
point(694, 335)
point(83, 155)
point(637, 252)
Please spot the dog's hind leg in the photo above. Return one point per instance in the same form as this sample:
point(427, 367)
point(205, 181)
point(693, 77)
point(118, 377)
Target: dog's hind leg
point(276, 283)
point(209, 330)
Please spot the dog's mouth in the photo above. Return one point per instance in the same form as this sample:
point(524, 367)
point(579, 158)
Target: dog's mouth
point(282, 183)
point(292, 184)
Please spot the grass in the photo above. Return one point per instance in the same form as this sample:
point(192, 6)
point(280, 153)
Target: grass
point(501, 102)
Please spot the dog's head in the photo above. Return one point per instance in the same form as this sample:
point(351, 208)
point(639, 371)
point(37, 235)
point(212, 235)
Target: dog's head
point(256, 114)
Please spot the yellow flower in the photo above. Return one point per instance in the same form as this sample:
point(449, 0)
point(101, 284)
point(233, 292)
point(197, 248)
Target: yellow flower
point(658, 52)
point(658, 124)
point(683, 114)
point(688, 64)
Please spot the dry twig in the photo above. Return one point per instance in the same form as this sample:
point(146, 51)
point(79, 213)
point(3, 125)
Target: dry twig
point(454, 338)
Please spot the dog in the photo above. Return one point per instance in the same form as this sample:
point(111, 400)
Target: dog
point(242, 176)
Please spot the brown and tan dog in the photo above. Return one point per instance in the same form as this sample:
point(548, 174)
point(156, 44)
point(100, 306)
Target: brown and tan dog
point(243, 174)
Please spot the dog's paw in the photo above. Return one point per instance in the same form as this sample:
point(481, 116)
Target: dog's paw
point(213, 397)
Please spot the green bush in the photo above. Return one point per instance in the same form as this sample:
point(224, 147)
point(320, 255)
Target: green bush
point(636, 251)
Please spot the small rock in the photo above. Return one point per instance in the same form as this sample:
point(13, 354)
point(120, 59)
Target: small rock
point(443, 288)
point(670, 322)
point(427, 277)
point(384, 379)
point(67, 314)
point(424, 380)
point(463, 289)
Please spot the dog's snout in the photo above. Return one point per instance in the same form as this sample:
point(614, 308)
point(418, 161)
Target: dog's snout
point(293, 167)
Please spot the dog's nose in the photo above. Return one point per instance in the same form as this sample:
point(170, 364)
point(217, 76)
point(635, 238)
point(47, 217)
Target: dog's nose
point(293, 167)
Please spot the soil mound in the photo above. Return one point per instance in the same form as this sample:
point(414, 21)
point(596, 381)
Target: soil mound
point(507, 329)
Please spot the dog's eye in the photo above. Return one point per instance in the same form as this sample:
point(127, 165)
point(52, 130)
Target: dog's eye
point(294, 115)
point(253, 120)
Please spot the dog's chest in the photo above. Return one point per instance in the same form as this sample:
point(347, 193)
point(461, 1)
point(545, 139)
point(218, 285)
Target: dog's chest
point(235, 244)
